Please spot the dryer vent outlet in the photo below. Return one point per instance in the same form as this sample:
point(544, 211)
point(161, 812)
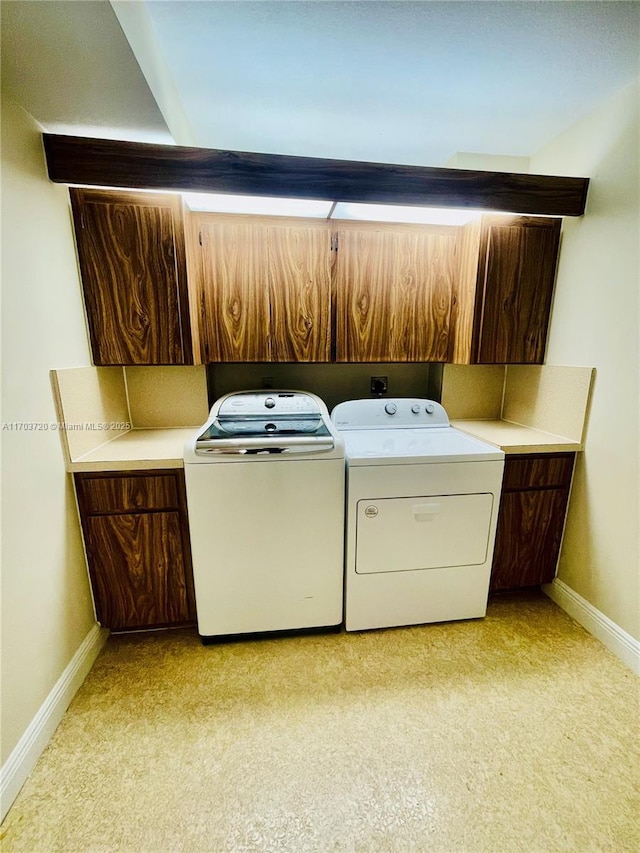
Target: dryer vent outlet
point(379, 385)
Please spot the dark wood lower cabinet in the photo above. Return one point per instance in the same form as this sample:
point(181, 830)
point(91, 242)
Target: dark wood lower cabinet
point(137, 543)
point(533, 506)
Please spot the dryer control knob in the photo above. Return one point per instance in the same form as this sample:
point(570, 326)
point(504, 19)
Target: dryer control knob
point(430, 408)
point(391, 408)
point(415, 408)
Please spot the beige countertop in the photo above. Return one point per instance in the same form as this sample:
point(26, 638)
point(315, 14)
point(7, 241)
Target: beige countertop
point(137, 449)
point(140, 449)
point(515, 438)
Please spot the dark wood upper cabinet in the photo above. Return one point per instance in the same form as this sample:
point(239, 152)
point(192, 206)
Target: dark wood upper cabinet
point(264, 288)
point(300, 292)
point(132, 263)
point(234, 290)
point(394, 289)
point(516, 275)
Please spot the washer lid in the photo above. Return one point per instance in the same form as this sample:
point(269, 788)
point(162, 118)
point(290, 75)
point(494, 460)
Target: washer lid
point(405, 446)
point(266, 424)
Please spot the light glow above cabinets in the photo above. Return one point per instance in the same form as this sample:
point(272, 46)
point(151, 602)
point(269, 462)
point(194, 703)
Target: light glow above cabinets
point(398, 213)
point(317, 209)
point(258, 205)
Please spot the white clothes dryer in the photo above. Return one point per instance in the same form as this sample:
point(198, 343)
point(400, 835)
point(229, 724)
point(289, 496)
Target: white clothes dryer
point(421, 513)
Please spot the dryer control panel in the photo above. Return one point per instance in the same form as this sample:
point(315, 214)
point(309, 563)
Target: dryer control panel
point(402, 412)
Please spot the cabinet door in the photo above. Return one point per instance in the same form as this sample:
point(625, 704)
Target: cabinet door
point(393, 291)
point(137, 569)
point(265, 289)
point(528, 538)
point(131, 253)
point(235, 290)
point(300, 292)
point(535, 493)
point(516, 274)
point(136, 537)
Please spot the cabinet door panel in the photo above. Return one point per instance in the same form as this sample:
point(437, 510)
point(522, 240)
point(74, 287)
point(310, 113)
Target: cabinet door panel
point(137, 569)
point(393, 291)
point(364, 296)
point(235, 291)
point(528, 538)
point(424, 287)
point(531, 472)
point(517, 287)
point(300, 293)
point(131, 277)
point(113, 494)
point(465, 288)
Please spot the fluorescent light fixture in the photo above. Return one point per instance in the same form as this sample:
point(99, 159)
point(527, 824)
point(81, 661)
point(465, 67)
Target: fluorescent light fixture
point(258, 204)
point(275, 206)
point(396, 213)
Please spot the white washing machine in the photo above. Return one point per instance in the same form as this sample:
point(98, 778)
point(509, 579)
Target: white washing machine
point(422, 508)
point(265, 494)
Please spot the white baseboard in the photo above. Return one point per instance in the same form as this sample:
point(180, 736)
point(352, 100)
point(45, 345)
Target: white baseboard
point(22, 760)
point(623, 645)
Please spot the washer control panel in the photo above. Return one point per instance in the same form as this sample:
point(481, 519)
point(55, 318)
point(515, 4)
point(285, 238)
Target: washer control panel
point(271, 403)
point(401, 412)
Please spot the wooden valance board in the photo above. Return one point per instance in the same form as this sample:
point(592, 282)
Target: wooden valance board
point(138, 165)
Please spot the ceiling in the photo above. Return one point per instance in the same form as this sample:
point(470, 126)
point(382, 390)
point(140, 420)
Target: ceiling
point(70, 66)
point(404, 82)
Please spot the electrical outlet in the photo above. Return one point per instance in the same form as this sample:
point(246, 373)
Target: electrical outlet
point(378, 385)
point(267, 381)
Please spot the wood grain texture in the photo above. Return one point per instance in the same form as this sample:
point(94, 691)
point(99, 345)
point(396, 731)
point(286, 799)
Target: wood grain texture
point(193, 262)
point(364, 297)
point(393, 293)
point(300, 293)
point(102, 162)
point(464, 292)
point(137, 569)
point(538, 471)
point(519, 259)
point(235, 290)
point(424, 291)
point(528, 538)
point(140, 570)
point(105, 494)
point(533, 505)
point(265, 289)
point(131, 254)
point(181, 281)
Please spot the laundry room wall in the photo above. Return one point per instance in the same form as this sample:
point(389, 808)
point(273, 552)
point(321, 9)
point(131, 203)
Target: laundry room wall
point(333, 383)
point(595, 323)
point(46, 604)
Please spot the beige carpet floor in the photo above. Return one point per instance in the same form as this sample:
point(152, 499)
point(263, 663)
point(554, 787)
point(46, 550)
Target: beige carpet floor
point(518, 732)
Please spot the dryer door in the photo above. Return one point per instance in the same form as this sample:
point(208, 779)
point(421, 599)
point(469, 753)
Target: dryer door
point(421, 533)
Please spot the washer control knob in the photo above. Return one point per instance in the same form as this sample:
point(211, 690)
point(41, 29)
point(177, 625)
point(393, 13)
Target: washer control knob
point(429, 408)
point(269, 402)
point(391, 408)
point(415, 408)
